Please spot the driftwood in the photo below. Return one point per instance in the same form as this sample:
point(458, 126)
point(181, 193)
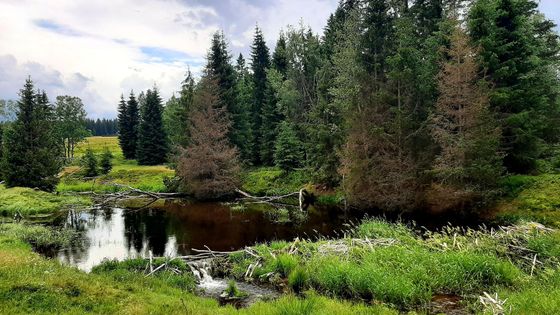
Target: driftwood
point(302, 193)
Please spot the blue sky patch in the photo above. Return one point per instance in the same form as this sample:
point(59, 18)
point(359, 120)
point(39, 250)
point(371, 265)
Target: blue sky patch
point(163, 54)
point(57, 28)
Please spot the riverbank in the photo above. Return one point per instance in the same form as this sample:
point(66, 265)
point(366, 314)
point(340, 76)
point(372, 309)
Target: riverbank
point(378, 268)
point(31, 284)
point(28, 203)
point(381, 262)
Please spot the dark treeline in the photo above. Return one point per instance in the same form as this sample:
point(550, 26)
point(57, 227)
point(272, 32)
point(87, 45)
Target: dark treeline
point(401, 104)
point(102, 127)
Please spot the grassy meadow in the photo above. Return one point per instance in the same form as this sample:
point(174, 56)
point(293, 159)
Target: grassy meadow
point(124, 172)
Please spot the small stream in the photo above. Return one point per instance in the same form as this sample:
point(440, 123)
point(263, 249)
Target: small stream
point(178, 227)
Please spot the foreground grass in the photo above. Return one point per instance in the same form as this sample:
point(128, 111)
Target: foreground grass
point(30, 202)
point(533, 198)
point(31, 284)
point(392, 264)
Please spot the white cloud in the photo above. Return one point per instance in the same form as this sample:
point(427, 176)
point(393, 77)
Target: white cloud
point(59, 42)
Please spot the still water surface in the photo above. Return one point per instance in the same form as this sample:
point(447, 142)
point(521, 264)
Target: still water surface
point(177, 227)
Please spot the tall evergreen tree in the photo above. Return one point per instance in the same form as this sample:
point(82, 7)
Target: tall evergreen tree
point(468, 164)
point(325, 128)
point(124, 134)
point(128, 120)
point(176, 113)
point(221, 70)
point(270, 117)
point(209, 167)
point(377, 39)
point(519, 52)
point(279, 57)
point(260, 62)
point(244, 93)
point(32, 155)
point(152, 146)
point(133, 118)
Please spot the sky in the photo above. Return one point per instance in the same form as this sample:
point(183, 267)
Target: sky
point(97, 50)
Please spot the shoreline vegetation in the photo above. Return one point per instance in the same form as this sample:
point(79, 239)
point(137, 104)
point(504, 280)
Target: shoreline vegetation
point(379, 268)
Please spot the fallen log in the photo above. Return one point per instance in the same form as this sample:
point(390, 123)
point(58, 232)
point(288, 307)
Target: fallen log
point(302, 195)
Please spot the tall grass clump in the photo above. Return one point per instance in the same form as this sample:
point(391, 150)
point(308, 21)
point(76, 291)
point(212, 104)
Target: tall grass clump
point(297, 280)
point(41, 238)
point(284, 264)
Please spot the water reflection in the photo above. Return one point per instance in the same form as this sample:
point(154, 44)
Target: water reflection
point(177, 228)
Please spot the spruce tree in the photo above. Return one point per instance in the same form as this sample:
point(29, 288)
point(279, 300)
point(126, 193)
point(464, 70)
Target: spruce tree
point(325, 127)
point(377, 39)
point(244, 93)
point(106, 162)
point(519, 54)
point(133, 119)
point(468, 164)
point(152, 146)
point(176, 113)
point(89, 164)
point(260, 62)
point(270, 118)
point(32, 155)
point(209, 167)
point(288, 152)
point(124, 129)
point(279, 57)
point(221, 70)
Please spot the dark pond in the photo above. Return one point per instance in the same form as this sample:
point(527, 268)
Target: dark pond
point(176, 227)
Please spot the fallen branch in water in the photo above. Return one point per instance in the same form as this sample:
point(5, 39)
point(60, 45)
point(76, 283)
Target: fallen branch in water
point(302, 196)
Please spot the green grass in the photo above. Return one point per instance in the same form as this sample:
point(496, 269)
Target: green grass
point(30, 202)
point(40, 237)
point(532, 198)
point(413, 267)
point(124, 172)
point(273, 181)
point(31, 284)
